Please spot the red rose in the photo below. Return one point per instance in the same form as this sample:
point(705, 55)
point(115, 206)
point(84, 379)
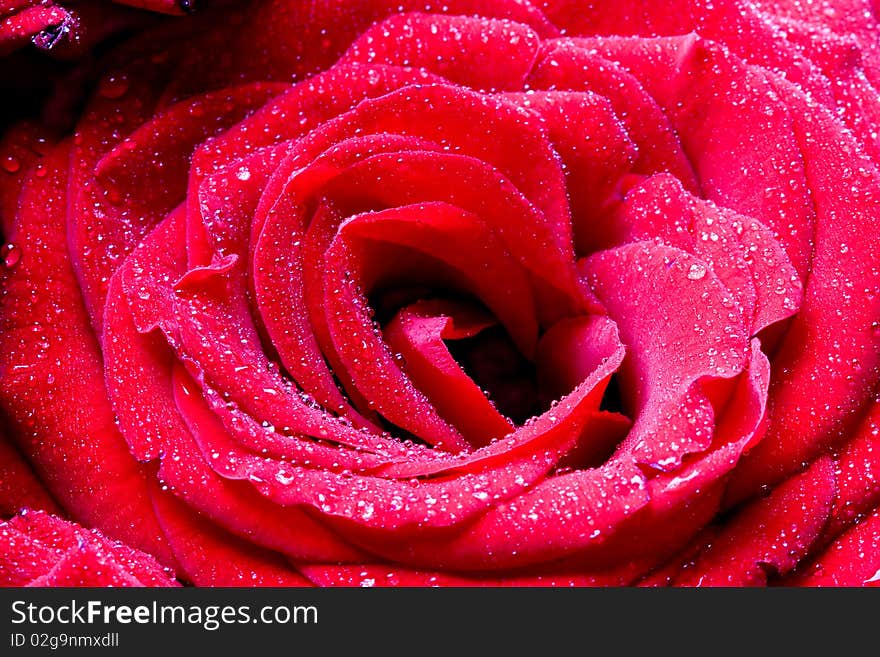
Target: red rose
point(562, 294)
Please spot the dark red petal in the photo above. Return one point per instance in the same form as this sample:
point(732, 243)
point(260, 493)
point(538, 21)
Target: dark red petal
point(85, 566)
point(98, 212)
point(280, 40)
point(38, 549)
point(595, 149)
point(19, 486)
point(416, 335)
point(708, 95)
point(443, 233)
point(377, 504)
point(130, 167)
point(684, 500)
point(26, 22)
point(775, 532)
point(571, 350)
point(379, 575)
point(252, 437)
point(575, 415)
point(832, 350)
point(341, 317)
point(851, 560)
point(209, 301)
point(60, 535)
point(208, 556)
point(740, 26)
point(525, 232)
point(287, 273)
point(475, 52)
point(138, 370)
point(21, 149)
point(559, 516)
point(22, 558)
point(565, 65)
point(49, 356)
point(487, 128)
point(684, 559)
point(858, 473)
point(829, 51)
point(310, 103)
point(237, 508)
point(846, 61)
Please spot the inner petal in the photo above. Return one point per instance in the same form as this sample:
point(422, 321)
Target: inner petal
point(418, 334)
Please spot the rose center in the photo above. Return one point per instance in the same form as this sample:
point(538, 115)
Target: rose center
point(506, 376)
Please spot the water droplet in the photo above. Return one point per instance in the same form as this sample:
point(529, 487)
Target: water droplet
point(114, 194)
point(283, 478)
point(367, 510)
point(112, 87)
point(696, 272)
point(11, 164)
point(11, 255)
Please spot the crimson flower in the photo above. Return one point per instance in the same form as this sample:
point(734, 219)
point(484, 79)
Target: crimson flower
point(493, 292)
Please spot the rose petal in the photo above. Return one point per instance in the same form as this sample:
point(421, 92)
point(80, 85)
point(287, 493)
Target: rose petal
point(480, 53)
point(841, 299)
point(49, 356)
point(417, 334)
point(210, 557)
point(851, 560)
point(38, 549)
point(773, 533)
point(693, 333)
point(19, 486)
point(741, 250)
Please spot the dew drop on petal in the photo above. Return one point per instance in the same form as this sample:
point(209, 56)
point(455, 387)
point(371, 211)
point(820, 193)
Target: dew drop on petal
point(11, 255)
point(113, 87)
point(283, 478)
point(696, 272)
point(10, 164)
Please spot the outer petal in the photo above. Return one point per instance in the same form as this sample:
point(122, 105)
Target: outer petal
point(49, 356)
point(769, 536)
point(38, 549)
point(851, 560)
point(19, 486)
point(210, 557)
